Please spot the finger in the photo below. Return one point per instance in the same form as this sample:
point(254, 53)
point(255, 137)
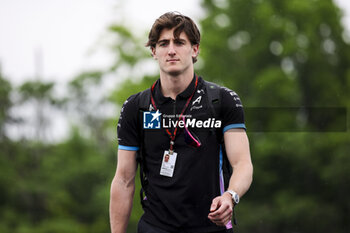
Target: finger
point(227, 213)
point(222, 222)
point(220, 211)
point(222, 219)
point(216, 216)
point(214, 204)
point(227, 220)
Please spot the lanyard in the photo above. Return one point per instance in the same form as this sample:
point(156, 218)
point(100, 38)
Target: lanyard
point(173, 135)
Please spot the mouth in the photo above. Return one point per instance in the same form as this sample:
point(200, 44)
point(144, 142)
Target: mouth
point(172, 60)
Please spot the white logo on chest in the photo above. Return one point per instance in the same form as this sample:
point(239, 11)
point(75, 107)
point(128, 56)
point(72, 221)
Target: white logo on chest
point(198, 100)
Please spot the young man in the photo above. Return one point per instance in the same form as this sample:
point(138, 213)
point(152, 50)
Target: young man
point(178, 138)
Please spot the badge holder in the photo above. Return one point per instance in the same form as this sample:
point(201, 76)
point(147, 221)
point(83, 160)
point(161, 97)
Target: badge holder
point(168, 164)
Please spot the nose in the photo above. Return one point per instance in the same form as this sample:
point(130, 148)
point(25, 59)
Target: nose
point(171, 51)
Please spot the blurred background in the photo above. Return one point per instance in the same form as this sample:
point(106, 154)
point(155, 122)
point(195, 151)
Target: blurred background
point(66, 67)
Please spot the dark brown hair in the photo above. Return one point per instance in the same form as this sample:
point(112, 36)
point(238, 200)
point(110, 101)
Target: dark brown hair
point(178, 21)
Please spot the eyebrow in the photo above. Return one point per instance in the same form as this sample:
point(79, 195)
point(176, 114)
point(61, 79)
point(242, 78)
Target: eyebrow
point(181, 40)
point(162, 41)
point(167, 40)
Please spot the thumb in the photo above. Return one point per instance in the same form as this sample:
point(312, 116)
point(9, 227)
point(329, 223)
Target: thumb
point(214, 204)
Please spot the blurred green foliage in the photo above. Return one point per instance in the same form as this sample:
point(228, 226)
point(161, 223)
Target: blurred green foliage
point(272, 53)
point(285, 54)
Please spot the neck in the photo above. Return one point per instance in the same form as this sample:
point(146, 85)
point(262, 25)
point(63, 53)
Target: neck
point(171, 86)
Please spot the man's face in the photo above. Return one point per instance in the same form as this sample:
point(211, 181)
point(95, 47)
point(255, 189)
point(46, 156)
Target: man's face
point(174, 55)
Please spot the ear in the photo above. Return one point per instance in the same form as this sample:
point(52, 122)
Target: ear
point(195, 50)
point(153, 49)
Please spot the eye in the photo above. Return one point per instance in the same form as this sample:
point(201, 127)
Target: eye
point(179, 42)
point(163, 44)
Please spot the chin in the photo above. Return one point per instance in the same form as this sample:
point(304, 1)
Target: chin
point(174, 72)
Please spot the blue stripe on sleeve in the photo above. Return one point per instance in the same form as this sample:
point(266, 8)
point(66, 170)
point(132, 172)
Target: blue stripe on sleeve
point(132, 148)
point(234, 126)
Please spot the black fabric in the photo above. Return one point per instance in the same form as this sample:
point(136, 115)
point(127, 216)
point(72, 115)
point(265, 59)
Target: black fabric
point(181, 202)
point(143, 106)
point(145, 227)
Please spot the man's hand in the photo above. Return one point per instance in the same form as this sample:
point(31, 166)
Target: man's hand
point(221, 209)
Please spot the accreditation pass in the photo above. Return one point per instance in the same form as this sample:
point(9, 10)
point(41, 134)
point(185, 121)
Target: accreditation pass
point(168, 164)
